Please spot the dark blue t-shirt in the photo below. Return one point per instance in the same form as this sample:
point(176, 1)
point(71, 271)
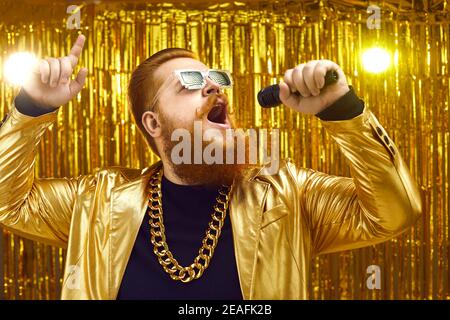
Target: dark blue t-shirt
point(186, 214)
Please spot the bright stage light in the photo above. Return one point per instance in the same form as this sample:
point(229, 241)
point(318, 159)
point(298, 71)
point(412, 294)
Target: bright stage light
point(18, 68)
point(376, 60)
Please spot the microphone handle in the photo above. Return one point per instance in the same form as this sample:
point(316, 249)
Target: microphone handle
point(269, 97)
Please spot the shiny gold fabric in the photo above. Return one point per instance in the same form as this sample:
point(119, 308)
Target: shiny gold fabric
point(279, 222)
point(257, 41)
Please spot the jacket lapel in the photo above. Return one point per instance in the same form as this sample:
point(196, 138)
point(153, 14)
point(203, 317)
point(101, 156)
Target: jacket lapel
point(246, 210)
point(128, 207)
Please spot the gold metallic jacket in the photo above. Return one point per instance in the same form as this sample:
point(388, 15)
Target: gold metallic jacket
point(279, 222)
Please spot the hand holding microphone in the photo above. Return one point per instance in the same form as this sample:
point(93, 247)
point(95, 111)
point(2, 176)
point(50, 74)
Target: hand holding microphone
point(308, 88)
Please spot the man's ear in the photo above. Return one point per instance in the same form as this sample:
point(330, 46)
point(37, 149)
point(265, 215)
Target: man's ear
point(151, 123)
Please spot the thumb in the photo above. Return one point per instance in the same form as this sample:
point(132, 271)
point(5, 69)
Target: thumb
point(77, 84)
point(36, 66)
point(287, 98)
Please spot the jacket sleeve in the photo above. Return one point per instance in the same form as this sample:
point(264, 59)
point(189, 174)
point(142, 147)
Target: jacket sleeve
point(378, 202)
point(38, 209)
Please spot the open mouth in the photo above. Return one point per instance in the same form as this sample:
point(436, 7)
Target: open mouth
point(218, 114)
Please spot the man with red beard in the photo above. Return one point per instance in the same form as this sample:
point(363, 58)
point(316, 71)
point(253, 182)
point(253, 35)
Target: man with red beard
point(140, 234)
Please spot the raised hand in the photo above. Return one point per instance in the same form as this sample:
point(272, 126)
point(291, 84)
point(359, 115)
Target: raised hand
point(51, 84)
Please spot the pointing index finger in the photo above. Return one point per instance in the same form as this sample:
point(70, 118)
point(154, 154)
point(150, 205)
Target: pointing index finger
point(75, 52)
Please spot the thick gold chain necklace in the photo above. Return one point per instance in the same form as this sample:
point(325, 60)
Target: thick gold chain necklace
point(158, 237)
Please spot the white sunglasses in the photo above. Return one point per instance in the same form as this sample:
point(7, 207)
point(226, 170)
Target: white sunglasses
point(195, 79)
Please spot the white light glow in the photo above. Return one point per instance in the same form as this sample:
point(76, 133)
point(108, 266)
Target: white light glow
point(376, 60)
point(19, 67)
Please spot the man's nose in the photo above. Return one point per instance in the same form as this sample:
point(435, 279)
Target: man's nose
point(211, 87)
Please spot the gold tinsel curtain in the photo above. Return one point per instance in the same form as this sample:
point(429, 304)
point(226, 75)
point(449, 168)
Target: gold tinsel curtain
point(257, 41)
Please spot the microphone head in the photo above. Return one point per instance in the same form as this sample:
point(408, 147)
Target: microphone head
point(269, 97)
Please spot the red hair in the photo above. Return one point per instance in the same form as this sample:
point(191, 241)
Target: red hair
point(144, 85)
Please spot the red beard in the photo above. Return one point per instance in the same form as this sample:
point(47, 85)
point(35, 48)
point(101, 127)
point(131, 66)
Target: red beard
point(209, 175)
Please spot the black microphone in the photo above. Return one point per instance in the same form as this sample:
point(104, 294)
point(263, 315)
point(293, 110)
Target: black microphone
point(269, 97)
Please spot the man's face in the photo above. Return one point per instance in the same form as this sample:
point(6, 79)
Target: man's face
point(182, 107)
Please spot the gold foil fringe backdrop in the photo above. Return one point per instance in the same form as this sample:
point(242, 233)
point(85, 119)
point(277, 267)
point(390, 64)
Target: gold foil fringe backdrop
point(257, 44)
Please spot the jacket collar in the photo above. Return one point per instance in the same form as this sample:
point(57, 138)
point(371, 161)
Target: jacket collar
point(128, 207)
point(246, 210)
